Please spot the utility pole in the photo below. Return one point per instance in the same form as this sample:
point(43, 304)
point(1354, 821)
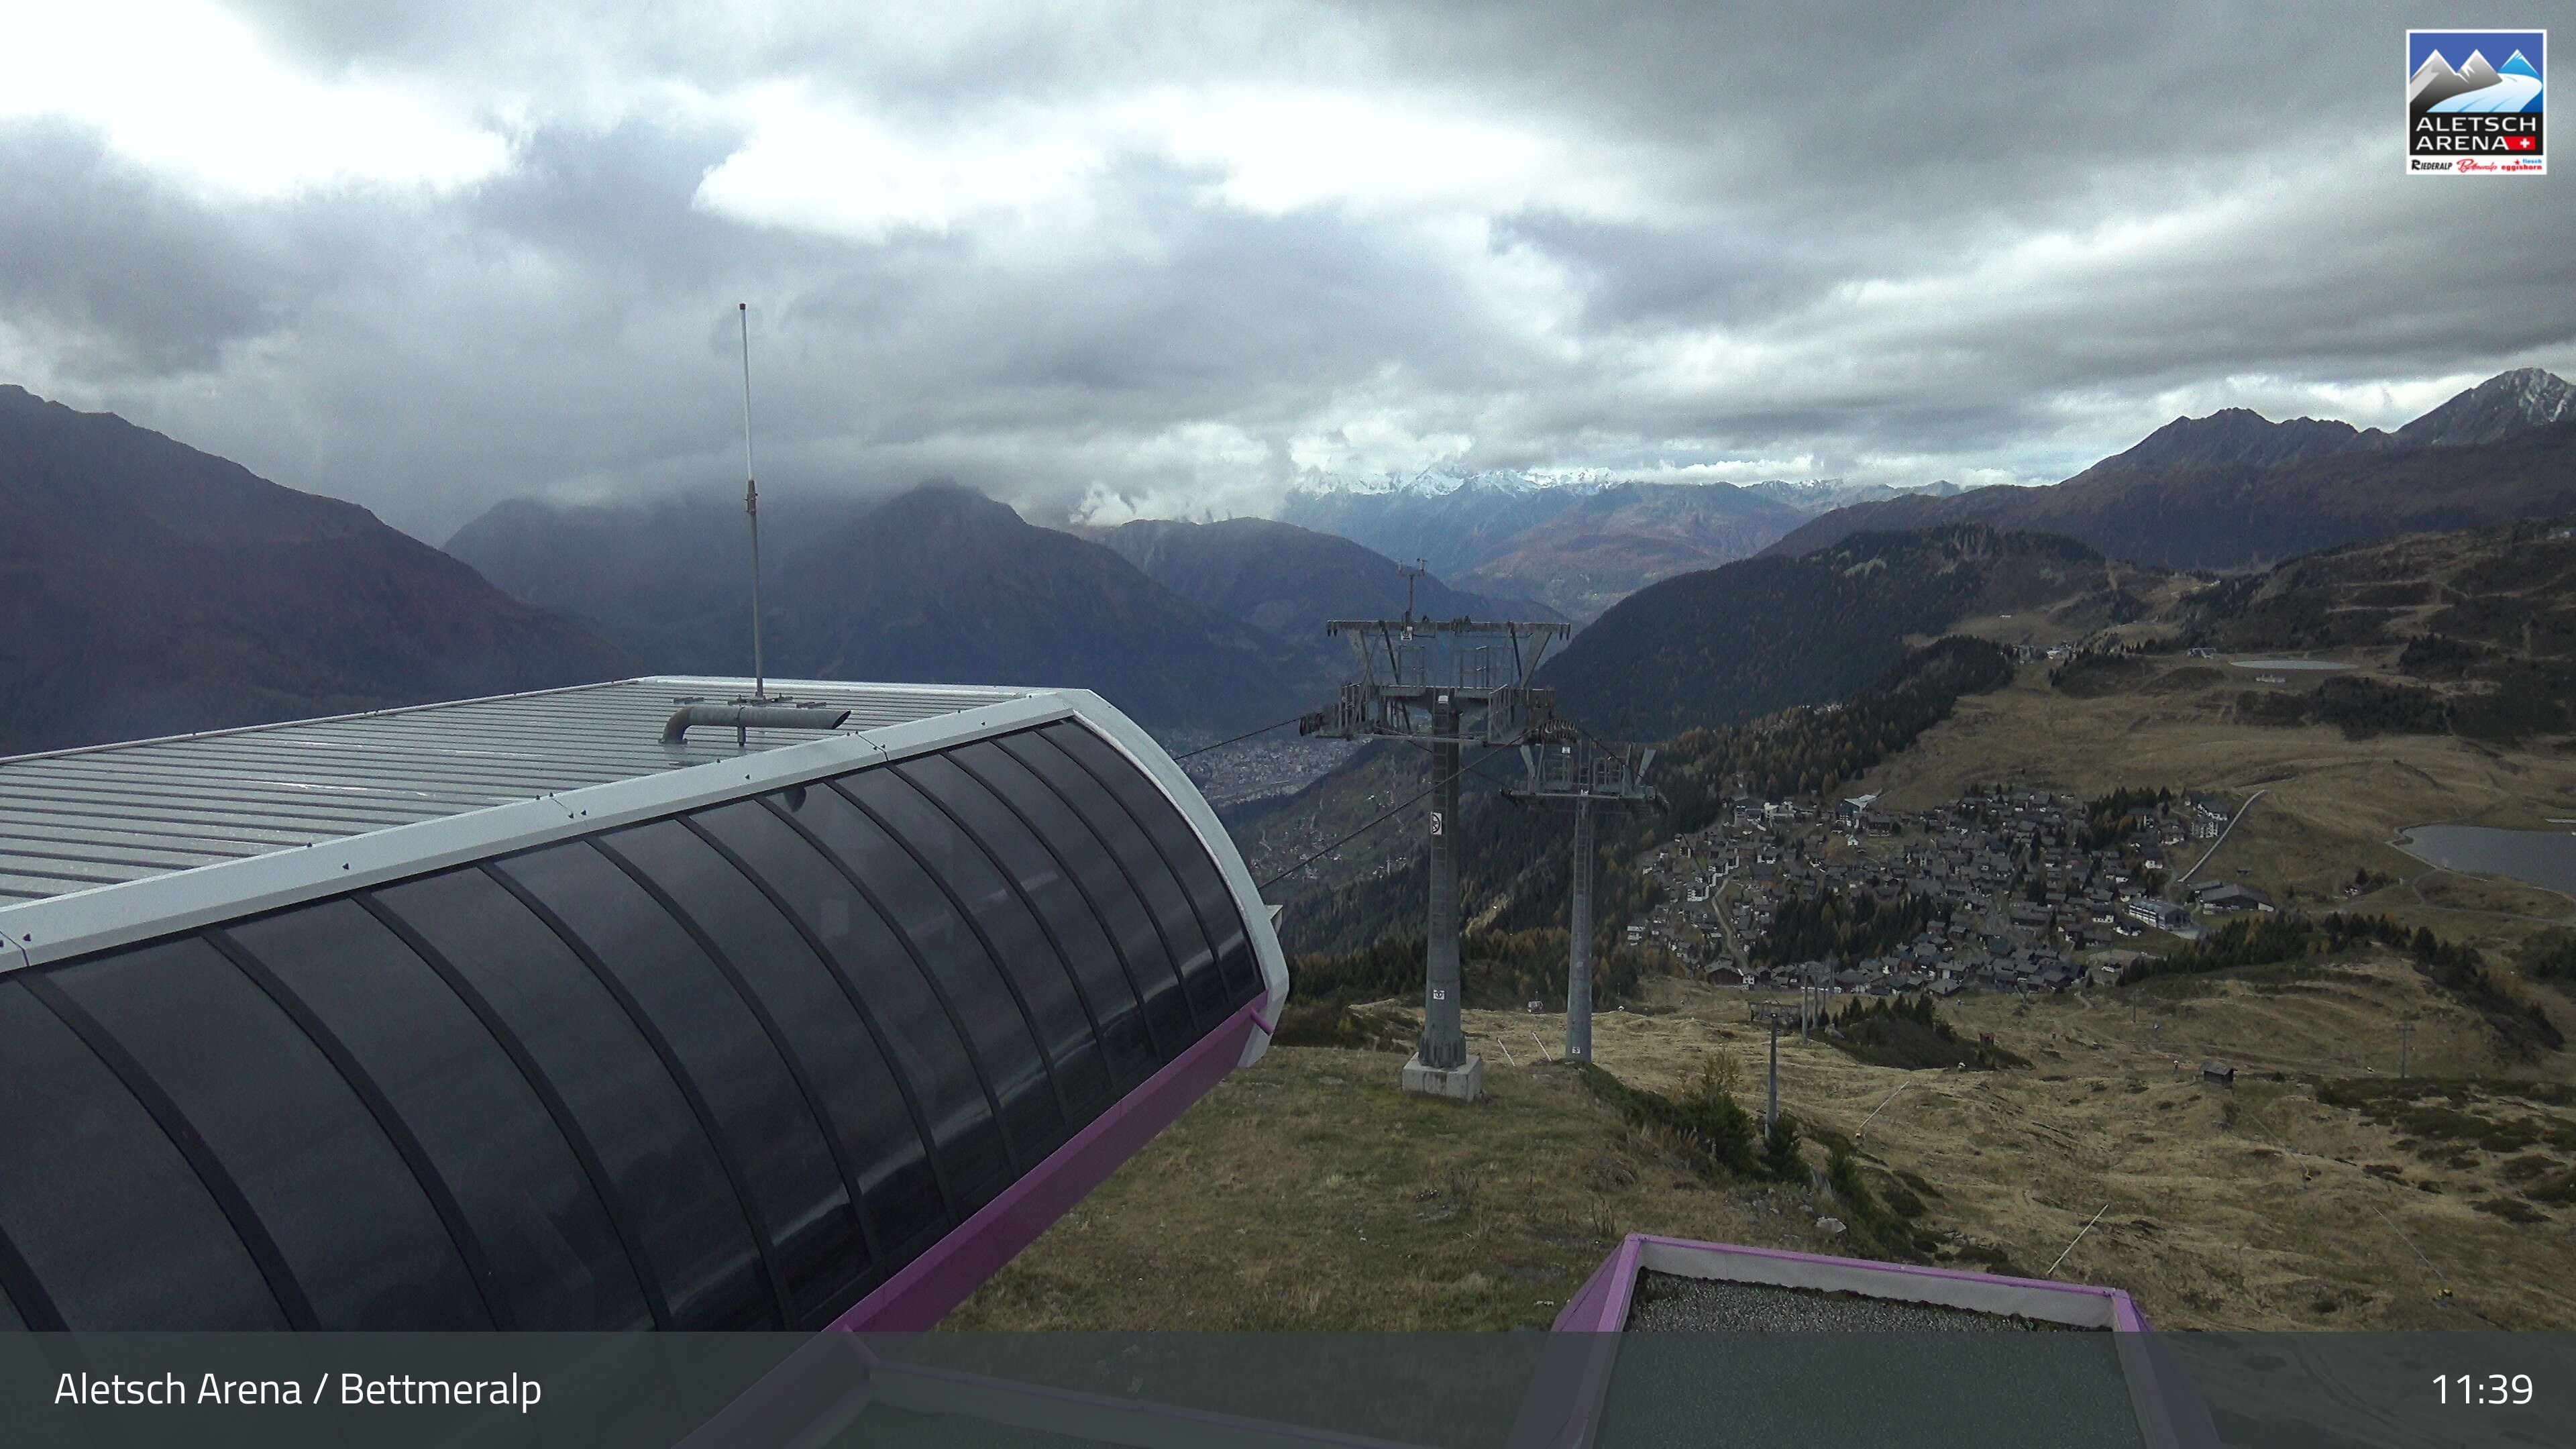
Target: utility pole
point(1474, 703)
point(1771, 1103)
point(1587, 776)
point(1444, 1041)
point(1578, 967)
point(1775, 1014)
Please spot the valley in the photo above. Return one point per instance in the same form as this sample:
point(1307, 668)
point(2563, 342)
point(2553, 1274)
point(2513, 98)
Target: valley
point(2319, 1189)
point(2335, 701)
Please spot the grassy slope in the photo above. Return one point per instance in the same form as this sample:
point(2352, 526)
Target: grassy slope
point(1308, 1193)
point(1295, 1193)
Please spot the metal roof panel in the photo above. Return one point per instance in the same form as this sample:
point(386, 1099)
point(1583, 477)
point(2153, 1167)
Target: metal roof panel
point(72, 820)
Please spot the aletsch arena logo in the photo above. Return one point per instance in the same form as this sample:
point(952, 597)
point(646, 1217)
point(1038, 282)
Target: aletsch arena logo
point(2473, 102)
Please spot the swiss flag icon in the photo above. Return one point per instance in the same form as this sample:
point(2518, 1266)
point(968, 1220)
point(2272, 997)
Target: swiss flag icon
point(2521, 143)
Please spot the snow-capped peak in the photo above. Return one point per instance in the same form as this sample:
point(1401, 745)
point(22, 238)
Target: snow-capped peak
point(2543, 396)
point(1442, 481)
point(1448, 481)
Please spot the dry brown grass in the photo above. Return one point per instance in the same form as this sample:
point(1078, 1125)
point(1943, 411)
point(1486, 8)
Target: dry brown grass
point(2212, 1224)
point(1309, 1193)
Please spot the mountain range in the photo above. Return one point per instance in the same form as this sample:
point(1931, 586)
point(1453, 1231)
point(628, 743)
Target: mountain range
point(2235, 490)
point(2502, 406)
point(154, 589)
point(937, 585)
point(1577, 543)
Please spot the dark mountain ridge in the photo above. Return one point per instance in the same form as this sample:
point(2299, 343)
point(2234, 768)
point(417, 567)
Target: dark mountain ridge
point(2234, 436)
point(1290, 580)
point(2234, 491)
point(944, 585)
point(668, 580)
point(1729, 644)
point(939, 585)
point(154, 589)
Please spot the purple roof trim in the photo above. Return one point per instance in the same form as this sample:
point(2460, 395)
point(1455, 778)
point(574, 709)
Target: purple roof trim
point(1598, 1313)
point(1584, 1308)
point(1602, 1306)
point(924, 1290)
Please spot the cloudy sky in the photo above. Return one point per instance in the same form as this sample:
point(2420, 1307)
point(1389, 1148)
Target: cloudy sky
point(1108, 259)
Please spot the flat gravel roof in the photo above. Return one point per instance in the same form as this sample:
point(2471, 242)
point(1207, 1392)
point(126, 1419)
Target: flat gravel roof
point(1667, 1301)
point(1744, 1363)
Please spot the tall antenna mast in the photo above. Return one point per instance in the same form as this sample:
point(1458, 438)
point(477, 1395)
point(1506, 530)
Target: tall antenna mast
point(751, 509)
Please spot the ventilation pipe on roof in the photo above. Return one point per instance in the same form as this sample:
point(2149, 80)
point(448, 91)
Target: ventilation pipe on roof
point(751, 717)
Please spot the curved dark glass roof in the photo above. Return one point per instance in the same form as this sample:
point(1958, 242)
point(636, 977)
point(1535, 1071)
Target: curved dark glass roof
point(732, 1065)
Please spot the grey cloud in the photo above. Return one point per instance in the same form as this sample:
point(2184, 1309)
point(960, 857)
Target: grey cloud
point(1644, 277)
point(128, 275)
point(916, 61)
point(1940, 105)
point(565, 326)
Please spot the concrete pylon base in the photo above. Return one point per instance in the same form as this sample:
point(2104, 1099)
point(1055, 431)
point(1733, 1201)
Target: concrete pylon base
point(1463, 1084)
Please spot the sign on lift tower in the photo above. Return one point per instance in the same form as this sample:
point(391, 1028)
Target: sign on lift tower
point(1453, 685)
point(1590, 777)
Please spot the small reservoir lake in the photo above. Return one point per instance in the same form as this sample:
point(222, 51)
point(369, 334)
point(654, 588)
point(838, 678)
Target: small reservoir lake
point(2545, 858)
